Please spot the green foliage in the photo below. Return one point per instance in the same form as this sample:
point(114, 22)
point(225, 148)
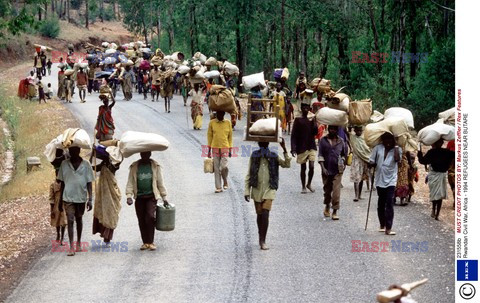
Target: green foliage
point(10, 111)
point(108, 14)
point(50, 28)
point(76, 4)
point(434, 87)
point(93, 11)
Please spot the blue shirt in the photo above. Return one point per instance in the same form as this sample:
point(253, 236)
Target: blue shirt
point(330, 154)
point(387, 168)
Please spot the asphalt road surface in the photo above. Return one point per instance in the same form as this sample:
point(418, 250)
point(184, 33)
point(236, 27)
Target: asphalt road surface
point(213, 253)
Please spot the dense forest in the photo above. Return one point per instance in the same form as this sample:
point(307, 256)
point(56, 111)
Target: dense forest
point(409, 44)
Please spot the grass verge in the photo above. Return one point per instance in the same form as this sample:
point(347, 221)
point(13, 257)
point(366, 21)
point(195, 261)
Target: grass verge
point(32, 126)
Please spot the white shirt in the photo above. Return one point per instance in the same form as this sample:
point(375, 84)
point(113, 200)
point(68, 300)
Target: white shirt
point(387, 169)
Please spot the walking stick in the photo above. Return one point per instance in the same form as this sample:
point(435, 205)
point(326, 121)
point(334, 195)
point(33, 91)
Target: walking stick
point(370, 198)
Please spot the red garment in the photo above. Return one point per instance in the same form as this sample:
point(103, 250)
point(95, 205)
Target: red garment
point(105, 121)
point(451, 145)
point(23, 89)
point(82, 79)
point(321, 129)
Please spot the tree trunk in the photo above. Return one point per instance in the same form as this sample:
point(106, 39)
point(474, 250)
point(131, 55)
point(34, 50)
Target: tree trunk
point(46, 10)
point(86, 13)
point(60, 11)
point(402, 40)
point(323, 72)
point(192, 40)
point(102, 9)
point(39, 13)
point(238, 44)
point(145, 32)
point(68, 10)
point(297, 51)
point(343, 58)
point(159, 26)
point(53, 7)
point(305, 51)
point(371, 14)
point(282, 37)
point(413, 39)
point(445, 19)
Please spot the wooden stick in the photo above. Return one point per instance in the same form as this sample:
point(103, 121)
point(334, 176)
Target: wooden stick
point(395, 294)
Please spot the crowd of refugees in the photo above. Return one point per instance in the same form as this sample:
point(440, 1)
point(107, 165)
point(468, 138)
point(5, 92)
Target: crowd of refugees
point(332, 147)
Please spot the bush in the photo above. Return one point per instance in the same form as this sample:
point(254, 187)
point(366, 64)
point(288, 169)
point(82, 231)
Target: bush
point(108, 14)
point(50, 28)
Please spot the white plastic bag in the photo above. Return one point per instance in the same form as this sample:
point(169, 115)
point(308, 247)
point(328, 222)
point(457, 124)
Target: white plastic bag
point(330, 116)
point(432, 133)
point(51, 148)
point(253, 80)
point(212, 74)
point(230, 69)
point(136, 142)
point(183, 69)
point(400, 112)
point(264, 127)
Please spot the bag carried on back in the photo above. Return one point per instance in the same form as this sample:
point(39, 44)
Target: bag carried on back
point(221, 99)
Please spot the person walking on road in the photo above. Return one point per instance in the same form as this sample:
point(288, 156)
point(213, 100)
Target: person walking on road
point(220, 142)
point(331, 157)
point(440, 160)
point(82, 82)
point(385, 158)
point(303, 145)
point(76, 176)
point(261, 184)
point(145, 185)
point(197, 106)
point(105, 127)
point(361, 155)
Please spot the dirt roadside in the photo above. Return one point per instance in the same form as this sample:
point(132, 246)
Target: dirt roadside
point(25, 231)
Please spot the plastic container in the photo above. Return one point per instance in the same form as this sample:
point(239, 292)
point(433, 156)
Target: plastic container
point(165, 217)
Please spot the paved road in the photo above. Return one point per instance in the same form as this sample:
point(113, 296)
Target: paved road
point(213, 254)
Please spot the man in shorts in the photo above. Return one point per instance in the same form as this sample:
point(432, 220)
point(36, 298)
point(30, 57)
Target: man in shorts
point(261, 183)
point(303, 145)
point(76, 177)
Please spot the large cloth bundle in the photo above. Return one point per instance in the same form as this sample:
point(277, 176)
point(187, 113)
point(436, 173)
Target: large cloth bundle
point(212, 74)
point(400, 112)
point(339, 101)
point(133, 142)
point(448, 116)
point(211, 61)
point(110, 51)
point(285, 74)
point(432, 133)
point(221, 99)
point(395, 126)
point(200, 57)
point(71, 137)
point(109, 60)
point(264, 127)
point(130, 53)
point(253, 80)
point(183, 69)
point(198, 77)
point(230, 69)
point(377, 116)
point(144, 65)
point(330, 116)
point(178, 57)
point(277, 74)
point(156, 60)
point(69, 72)
point(320, 85)
point(359, 112)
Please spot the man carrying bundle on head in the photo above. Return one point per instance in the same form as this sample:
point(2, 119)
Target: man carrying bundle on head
point(440, 160)
point(361, 155)
point(303, 145)
point(261, 184)
point(220, 142)
point(385, 158)
point(105, 127)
